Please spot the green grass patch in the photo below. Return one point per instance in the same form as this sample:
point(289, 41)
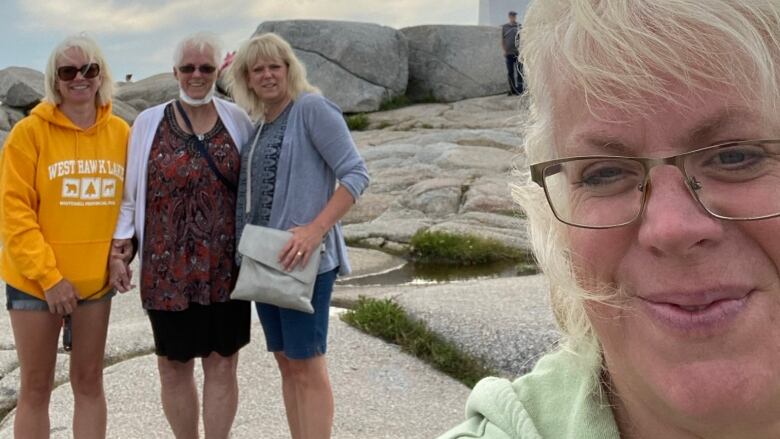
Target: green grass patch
point(394, 103)
point(357, 122)
point(448, 248)
point(387, 320)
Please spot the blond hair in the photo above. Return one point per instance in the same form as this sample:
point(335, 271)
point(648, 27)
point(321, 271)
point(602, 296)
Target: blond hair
point(265, 46)
point(625, 55)
point(90, 49)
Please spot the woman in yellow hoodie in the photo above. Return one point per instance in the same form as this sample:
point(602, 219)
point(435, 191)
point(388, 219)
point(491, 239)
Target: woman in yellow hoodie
point(61, 179)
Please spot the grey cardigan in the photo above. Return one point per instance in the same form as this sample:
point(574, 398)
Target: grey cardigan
point(316, 151)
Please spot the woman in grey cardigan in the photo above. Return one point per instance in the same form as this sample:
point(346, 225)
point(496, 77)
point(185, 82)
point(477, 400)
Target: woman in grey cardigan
point(301, 148)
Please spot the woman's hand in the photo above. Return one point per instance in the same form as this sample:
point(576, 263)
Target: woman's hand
point(305, 241)
point(120, 275)
point(62, 298)
point(122, 248)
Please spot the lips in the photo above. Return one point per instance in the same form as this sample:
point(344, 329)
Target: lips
point(696, 313)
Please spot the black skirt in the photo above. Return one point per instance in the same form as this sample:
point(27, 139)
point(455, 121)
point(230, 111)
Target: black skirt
point(200, 330)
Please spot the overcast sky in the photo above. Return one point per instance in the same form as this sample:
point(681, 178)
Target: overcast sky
point(138, 36)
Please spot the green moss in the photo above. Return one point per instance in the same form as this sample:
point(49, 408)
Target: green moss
point(426, 126)
point(387, 320)
point(357, 122)
point(384, 124)
point(448, 248)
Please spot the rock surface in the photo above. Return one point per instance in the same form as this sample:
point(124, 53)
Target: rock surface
point(124, 111)
point(379, 391)
point(357, 65)
point(20, 86)
point(449, 63)
point(446, 178)
point(149, 91)
point(3, 136)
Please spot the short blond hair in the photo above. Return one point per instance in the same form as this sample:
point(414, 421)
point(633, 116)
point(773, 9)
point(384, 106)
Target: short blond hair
point(87, 46)
point(624, 55)
point(265, 46)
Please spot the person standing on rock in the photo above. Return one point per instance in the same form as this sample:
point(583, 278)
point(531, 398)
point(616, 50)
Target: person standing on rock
point(297, 154)
point(61, 182)
point(509, 33)
point(654, 208)
point(180, 193)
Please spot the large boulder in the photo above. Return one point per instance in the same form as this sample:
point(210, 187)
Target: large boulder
point(152, 90)
point(449, 63)
point(3, 135)
point(124, 111)
point(357, 65)
point(9, 116)
point(20, 86)
point(5, 119)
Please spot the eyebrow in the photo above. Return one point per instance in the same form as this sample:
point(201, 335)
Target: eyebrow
point(703, 134)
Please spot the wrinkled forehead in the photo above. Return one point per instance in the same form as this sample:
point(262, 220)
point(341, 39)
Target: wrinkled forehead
point(682, 118)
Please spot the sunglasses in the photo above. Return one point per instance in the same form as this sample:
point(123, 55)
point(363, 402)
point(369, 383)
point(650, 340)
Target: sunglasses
point(206, 69)
point(88, 71)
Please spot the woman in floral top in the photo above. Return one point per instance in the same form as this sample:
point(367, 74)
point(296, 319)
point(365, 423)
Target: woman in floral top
point(180, 192)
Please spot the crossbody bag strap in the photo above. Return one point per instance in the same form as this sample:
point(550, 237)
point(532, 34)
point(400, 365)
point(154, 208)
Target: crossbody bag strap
point(204, 152)
point(249, 169)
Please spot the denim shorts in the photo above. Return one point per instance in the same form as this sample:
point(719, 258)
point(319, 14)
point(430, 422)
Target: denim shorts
point(21, 301)
point(298, 334)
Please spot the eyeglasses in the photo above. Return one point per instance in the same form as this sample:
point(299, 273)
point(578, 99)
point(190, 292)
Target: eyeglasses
point(206, 69)
point(738, 181)
point(88, 71)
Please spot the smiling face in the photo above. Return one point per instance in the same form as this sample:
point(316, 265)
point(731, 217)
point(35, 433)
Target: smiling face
point(268, 79)
point(197, 84)
point(695, 340)
point(79, 90)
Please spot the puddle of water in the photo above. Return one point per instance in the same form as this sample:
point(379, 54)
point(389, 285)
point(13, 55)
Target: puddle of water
point(421, 274)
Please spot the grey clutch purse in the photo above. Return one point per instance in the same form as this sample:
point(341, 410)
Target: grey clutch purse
point(261, 277)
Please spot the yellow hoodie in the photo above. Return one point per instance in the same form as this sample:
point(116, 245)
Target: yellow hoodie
point(60, 191)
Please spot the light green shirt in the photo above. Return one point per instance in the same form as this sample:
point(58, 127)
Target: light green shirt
point(559, 399)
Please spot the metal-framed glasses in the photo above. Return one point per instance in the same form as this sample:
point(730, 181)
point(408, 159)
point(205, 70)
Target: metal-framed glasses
point(738, 181)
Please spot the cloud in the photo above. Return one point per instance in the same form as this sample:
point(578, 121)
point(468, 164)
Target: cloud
point(122, 16)
point(142, 16)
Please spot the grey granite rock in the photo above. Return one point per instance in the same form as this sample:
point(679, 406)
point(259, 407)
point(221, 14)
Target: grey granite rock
point(12, 115)
point(20, 86)
point(5, 120)
point(507, 321)
point(449, 63)
point(124, 111)
point(357, 65)
point(3, 136)
point(152, 90)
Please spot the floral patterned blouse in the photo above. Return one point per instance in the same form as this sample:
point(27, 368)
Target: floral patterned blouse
point(189, 239)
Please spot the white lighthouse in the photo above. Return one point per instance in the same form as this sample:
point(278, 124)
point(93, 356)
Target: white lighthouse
point(494, 12)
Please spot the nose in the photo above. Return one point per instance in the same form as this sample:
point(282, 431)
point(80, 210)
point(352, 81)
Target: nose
point(674, 223)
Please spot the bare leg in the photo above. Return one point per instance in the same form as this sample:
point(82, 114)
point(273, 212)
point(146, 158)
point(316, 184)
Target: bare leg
point(220, 394)
point(313, 399)
point(36, 336)
point(288, 393)
point(179, 396)
point(90, 322)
